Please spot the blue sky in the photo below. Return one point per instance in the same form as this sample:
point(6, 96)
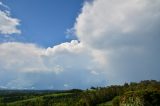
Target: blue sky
point(44, 22)
point(110, 42)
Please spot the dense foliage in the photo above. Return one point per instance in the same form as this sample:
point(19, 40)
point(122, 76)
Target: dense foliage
point(143, 93)
point(140, 98)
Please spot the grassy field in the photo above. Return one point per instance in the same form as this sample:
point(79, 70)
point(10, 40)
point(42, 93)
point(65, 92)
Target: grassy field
point(109, 103)
point(39, 98)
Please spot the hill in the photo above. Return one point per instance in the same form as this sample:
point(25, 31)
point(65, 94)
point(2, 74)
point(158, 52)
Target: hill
point(144, 93)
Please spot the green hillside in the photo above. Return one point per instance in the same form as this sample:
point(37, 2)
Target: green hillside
point(144, 93)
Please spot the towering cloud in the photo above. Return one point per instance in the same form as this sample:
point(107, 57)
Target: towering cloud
point(127, 32)
point(107, 24)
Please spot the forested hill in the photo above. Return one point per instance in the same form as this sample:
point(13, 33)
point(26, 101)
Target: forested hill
point(144, 93)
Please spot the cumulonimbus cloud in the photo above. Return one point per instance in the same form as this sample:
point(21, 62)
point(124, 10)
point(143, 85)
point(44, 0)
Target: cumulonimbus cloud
point(127, 32)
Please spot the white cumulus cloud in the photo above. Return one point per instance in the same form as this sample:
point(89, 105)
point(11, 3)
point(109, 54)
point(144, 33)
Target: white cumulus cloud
point(37, 67)
point(112, 23)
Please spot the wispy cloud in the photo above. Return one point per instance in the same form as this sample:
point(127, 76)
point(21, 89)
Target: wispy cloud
point(8, 24)
point(3, 5)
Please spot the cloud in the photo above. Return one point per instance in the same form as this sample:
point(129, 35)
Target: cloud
point(24, 65)
point(126, 32)
point(108, 24)
point(8, 24)
point(3, 5)
point(118, 41)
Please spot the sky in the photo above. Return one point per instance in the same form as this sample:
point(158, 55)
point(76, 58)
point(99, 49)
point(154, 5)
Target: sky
point(44, 22)
point(58, 44)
